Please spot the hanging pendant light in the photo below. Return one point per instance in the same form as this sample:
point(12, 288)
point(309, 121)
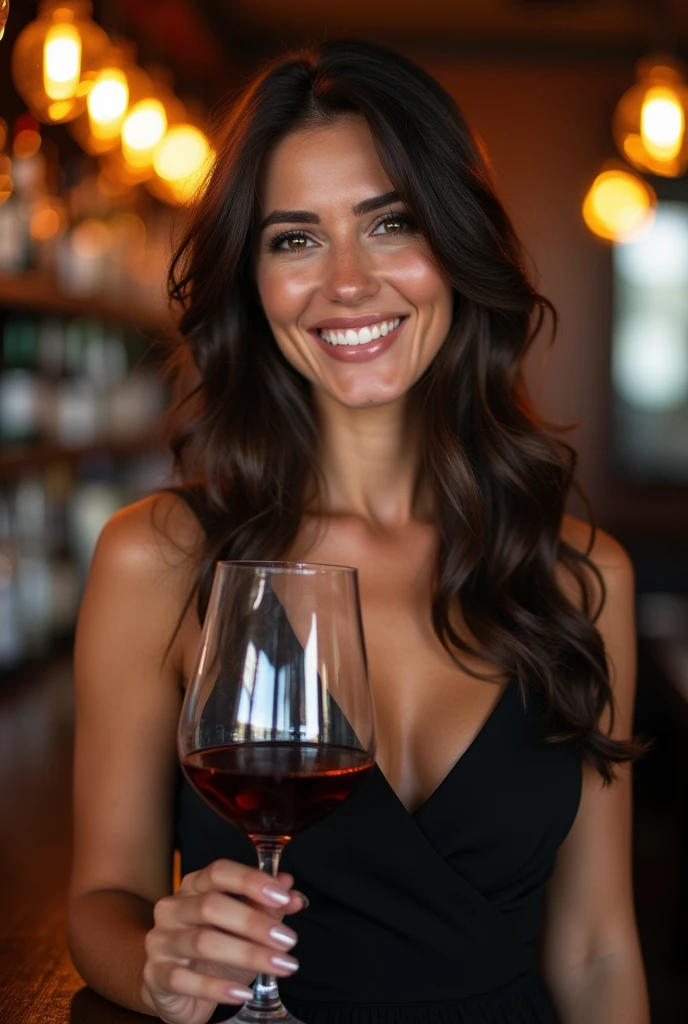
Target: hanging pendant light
point(112, 90)
point(619, 205)
point(182, 160)
point(649, 123)
point(53, 58)
point(147, 121)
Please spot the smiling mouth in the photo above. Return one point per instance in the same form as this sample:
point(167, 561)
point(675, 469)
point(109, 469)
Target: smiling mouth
point(360, 335)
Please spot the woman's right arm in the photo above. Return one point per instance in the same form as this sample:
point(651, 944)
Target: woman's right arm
point(174, 956)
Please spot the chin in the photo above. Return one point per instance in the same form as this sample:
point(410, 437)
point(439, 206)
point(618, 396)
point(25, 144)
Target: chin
point(369, 399)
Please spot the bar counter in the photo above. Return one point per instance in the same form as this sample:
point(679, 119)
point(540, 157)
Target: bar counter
point(38, 983)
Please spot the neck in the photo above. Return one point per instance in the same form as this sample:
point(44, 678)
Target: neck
point(370, 462)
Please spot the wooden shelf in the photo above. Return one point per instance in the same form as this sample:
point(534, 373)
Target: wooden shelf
point(18, 459)
point(37, 292)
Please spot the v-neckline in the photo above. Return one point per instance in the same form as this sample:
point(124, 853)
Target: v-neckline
point(468, 752)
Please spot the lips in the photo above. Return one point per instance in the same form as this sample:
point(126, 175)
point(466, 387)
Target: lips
point(360, 335)
point(343, 323)
point(354, 344)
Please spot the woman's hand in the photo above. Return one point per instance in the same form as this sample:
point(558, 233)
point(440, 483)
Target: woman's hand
point(209, 941)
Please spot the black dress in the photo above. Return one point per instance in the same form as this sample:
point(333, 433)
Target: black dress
point(424, 918)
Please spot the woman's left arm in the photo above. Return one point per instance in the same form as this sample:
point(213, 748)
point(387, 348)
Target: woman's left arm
point(591, 955)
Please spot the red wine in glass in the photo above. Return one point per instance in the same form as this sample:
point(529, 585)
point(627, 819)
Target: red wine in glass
point(277, 727)
point(274, 790)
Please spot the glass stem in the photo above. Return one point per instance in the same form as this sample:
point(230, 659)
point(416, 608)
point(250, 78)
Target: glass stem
point(265, 993)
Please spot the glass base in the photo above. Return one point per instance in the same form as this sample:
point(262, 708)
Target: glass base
point(250, 1013)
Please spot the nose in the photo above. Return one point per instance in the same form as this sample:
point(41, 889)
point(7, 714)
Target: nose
point(350, 277)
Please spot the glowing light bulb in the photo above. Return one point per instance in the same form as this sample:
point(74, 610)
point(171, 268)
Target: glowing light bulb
point(107, 103)
point(143, 128)
point(187, 190)
point(618, 206)
point(61, 61)
point(182, 152)
point(662, 123)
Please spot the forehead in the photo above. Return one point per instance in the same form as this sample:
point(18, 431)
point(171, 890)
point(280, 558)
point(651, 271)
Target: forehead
point(327, 166)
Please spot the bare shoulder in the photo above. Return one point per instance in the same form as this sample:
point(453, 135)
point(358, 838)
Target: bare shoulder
point(605, 553)
point(153, 535)
point(142, 570)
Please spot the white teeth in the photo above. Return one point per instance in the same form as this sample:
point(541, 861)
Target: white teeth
point(362, 336)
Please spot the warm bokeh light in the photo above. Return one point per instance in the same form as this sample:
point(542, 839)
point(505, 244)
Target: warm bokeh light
point(6, 187)
point(183, 152)
point(188, 190)
point(90, 238)
point(26, 143)
point(182, 162)
point(46, 220)
point(619, 205)
point(143, 128)
point(6, 183)
point(60, 110)
point(662, 123)
point(650, 118)
point(62, 60)
point(55, 57)
point(107, 103)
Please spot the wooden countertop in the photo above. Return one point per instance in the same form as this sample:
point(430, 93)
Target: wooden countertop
point(38, 983)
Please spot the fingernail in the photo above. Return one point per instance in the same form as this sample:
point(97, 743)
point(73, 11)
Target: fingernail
point(283, 936)
point(239, 992)
point(284, 963)
point(276, 895)
point(304, 899)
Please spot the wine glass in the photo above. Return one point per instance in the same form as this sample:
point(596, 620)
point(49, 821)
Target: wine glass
point(277, 728)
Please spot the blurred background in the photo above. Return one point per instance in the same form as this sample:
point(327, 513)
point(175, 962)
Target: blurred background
point(106, 132)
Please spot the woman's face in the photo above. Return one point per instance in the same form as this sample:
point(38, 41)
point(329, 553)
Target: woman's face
point(348, 286)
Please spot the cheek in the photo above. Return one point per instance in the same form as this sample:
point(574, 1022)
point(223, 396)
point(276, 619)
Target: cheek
point(416, 277)
point(283, 293)
point(284, 297)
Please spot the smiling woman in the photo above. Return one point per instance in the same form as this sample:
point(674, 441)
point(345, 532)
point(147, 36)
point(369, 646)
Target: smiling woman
point(356, 315)
point(352, 257)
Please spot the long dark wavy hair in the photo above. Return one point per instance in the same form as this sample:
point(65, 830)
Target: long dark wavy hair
point(244, 436)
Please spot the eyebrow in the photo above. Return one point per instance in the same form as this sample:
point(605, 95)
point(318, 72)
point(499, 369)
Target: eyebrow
point(307, 217)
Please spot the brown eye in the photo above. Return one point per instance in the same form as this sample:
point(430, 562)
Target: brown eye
point(394, 224)
point(291, 241)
